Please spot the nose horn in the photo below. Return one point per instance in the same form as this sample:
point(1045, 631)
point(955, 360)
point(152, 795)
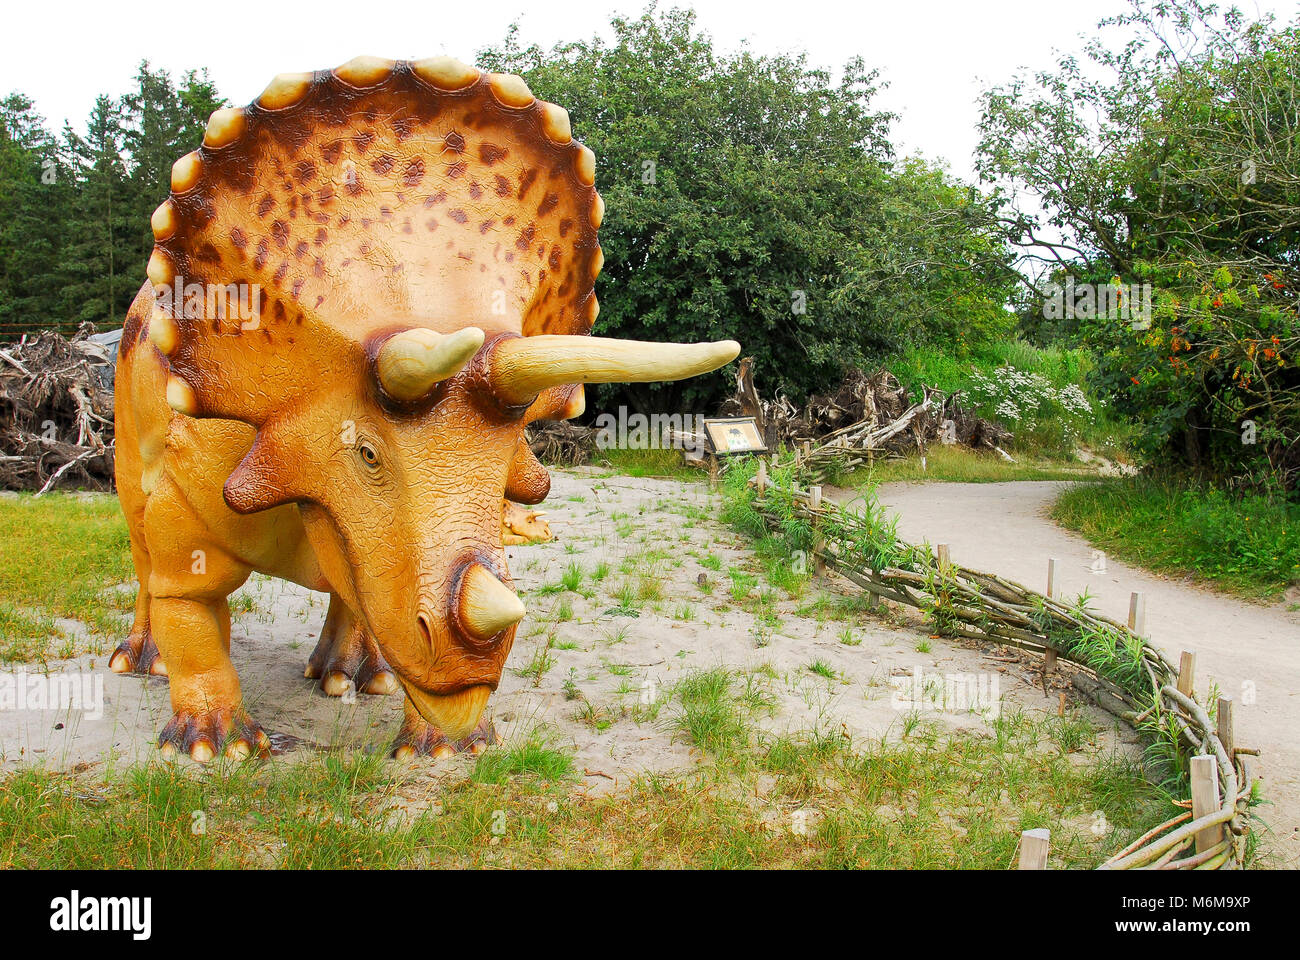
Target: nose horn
point(487, 606)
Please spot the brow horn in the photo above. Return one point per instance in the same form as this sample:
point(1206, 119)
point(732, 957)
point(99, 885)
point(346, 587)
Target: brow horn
point(411, 362)
point(522, 367)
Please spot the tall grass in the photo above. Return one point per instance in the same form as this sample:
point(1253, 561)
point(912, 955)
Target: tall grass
point(60, 555)
point(931, 800)
point(1248, 544)
point(917, 367)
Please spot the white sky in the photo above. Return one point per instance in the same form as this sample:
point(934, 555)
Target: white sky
point(936, 54)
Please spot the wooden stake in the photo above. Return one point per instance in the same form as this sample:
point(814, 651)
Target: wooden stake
point(1187, 673)
point(945, 556)
point(1205, 799)
point(819, 542)
point(1137, 613)
point(761, 478)
point(1034, 845)
point(1049, 656)
point(1226, 733)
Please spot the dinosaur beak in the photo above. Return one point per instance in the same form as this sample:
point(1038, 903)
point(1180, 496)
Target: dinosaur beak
point(455, 714)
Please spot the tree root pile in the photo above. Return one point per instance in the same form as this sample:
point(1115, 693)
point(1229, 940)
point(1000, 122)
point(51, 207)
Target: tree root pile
point(561, 443)
point(868, 413)
point(56, 413)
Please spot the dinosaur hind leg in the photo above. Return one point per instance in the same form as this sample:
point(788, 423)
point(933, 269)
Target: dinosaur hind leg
point(346, 656)
point(138, 653)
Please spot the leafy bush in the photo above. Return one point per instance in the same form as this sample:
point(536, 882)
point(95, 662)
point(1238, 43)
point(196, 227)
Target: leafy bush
point(1039, 393)
point(1028, 403)
point(1165, 157)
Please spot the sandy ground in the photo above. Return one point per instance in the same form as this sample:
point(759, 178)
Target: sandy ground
point(1251, 651)
point(606, 690)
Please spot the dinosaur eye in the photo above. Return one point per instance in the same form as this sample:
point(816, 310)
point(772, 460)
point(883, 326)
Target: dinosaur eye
point(368, 455)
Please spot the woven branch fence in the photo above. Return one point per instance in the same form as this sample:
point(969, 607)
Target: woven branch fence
point(1115, 666)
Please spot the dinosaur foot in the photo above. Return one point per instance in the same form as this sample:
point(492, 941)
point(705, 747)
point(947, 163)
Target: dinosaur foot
point(205, 734)
point(423, 739)
point(350, 660)
point(138, 654)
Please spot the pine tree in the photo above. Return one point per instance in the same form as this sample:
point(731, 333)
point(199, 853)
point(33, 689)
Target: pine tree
point(160, 124)
point(35, 188)
point(100, 246)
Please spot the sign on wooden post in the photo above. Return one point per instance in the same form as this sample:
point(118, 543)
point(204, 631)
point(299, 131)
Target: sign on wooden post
point(1034, 845)
point(1205, 800)
point(733, 435)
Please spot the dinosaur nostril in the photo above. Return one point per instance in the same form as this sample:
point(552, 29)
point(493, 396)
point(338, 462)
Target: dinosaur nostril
point(426, 628)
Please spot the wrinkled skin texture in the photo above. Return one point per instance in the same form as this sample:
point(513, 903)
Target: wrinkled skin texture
point(362, 208)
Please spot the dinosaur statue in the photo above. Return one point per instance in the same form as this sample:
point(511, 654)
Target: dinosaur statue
point(520, 526)
point(420, 241)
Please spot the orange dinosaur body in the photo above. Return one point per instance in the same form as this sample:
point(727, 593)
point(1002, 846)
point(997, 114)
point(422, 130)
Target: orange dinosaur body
point(419, 240)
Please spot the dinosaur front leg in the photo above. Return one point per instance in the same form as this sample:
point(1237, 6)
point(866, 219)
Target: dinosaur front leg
point(346, 656)
point(208, 712)
point(419, 738)
point(189, 619)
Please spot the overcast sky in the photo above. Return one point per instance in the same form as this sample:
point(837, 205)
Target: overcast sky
point(935, 54)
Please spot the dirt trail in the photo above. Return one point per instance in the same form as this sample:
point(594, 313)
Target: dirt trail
point(1245, 648)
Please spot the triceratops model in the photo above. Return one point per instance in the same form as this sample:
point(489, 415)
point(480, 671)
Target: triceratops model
point(520, 526)
point(419, 240)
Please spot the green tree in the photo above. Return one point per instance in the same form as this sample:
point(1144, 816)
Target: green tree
point(99, 253)
point(161, 122)
point(74, 212)
point(35, 189)
point(751, 197)
point(1171, 156)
